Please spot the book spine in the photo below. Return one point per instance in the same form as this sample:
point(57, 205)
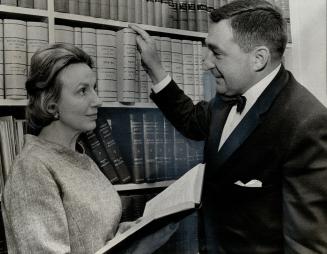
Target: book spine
point(61, 6)
point(106, 65)
point(166, 53)
point(182, 14)
point(159, 147)
point(64, 34)
point(143, 80)
point(144, 12)
point(78, 37)
point(40, 4)
point(188, 68)
point(127, 208)
point(104, 9)
point(2, 88)
point(150, 12)
point(131, 10)
point(113, 8)
point(15, 58)
point(100, 157)
point(196, 72)
point(73, 6)
point(149, 147)
point(9, 2)
point(25, 3)
point(126, 62)
point(191, 20)
point(95, 8)
point(138, 11)
point(210, 5)
point(37, 37)
point(172, 14)
point(165, 14)
point(84, 7)
point(177, 62)
point(201, 16)
point(180, 153)
point(105, 136)
point(89, 44)
point(157, 13)
point(200, 70)
point(169, 150)
point(122, 10)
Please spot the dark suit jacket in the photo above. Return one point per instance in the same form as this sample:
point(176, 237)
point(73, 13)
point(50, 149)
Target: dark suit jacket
point(282, 142)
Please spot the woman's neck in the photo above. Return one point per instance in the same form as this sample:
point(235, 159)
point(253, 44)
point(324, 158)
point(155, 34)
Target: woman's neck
point(57, 133)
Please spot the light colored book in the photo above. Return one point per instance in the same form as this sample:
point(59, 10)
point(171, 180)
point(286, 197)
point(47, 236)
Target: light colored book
point(166, 206)
point(104, 9)
point(131, 10)
point(210, 8)
point(106, 65)
point(2, 91)
point(165, 53)
point(196, 72)
point(144, 12)
point(177, 62)
point(89, 43)
point(40, 4)
point(25, 3)
point(73, 6)
point(188, 68)
point(157, 13)
point(95, 8)
point(9, 2)
point(191, 20)
point(182, 14)
point(126, 64)
point(84, 7)
point(200, 70)
point(78, 37)
point(150, 12)
point(37, 37)
point(113, 8)
point(138, 11)
point(64, 34)
point(61, 5)
point(122, 10)
point(15, 58)
point(201, 16)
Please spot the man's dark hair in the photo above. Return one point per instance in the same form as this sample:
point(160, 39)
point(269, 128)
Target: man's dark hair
point(255, 23)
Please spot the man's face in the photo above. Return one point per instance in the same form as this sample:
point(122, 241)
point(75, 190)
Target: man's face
point(229, 64)
point(78, 103)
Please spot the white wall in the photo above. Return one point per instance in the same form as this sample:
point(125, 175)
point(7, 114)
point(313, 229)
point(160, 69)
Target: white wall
point(308, 28)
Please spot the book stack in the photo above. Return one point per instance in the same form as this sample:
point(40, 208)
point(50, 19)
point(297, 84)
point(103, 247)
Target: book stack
point(152, 149)
point(36, 4)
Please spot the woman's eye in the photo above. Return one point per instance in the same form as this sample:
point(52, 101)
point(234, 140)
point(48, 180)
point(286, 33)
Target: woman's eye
point(82, 91)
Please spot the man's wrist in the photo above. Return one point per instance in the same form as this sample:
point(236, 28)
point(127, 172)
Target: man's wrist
point(157, 87)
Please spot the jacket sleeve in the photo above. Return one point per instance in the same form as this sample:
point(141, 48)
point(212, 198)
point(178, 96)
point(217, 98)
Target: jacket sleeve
point(305, 189)
point(191, 120)
point(34, 216)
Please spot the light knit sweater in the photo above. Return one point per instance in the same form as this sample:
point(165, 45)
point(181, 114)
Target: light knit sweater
point(56, 200)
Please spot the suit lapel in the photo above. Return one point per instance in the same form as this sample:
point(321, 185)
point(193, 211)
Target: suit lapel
point(253, 118)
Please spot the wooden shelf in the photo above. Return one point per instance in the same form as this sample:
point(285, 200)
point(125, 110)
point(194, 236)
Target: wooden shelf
point(9, 102)
point(20, 11)
point(141, 186)
point(116, 25)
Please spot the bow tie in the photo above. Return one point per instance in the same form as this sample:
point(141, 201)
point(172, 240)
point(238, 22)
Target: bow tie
point(238, 100)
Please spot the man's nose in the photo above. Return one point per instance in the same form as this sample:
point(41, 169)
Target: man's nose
point(207, 62)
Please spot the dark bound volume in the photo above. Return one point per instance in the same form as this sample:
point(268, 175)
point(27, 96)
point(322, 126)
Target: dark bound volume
point(100, 157)
point(129, 131)
point(104, 133)
point(160, 147)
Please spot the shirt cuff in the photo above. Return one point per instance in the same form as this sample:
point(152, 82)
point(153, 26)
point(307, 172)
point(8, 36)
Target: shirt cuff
point(162, 84)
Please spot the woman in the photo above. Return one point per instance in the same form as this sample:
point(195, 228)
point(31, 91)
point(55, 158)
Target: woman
point(56, 200)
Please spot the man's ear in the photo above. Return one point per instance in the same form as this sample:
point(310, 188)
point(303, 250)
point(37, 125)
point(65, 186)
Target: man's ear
point(261, 56)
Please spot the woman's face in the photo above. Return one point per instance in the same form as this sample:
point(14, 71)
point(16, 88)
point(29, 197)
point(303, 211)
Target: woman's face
point(78, 103)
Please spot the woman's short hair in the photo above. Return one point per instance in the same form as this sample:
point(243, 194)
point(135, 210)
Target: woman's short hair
point(255, 23)
point(42, 85)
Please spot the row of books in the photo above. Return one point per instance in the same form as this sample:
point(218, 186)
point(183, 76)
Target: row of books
point(140, 147)
point(36, 4)
point(120, 74)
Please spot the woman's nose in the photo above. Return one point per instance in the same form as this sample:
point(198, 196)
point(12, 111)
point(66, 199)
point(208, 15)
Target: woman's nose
point(97, 102)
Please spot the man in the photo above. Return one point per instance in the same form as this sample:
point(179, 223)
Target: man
point(265, 186)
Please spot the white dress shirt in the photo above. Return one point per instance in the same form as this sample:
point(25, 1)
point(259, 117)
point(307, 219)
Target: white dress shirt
point(234, 118)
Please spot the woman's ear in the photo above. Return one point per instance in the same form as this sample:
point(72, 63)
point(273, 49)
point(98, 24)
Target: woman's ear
point(261, 55)
point(52, 108)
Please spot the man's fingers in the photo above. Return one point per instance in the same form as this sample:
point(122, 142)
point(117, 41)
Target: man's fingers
point(145, 36)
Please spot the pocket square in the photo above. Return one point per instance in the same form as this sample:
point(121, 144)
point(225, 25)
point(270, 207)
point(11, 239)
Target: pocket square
point(252, 184)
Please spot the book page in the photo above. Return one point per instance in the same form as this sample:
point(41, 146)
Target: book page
point(185, 190)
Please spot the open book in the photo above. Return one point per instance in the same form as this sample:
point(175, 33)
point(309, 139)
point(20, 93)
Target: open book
point(181, 196)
